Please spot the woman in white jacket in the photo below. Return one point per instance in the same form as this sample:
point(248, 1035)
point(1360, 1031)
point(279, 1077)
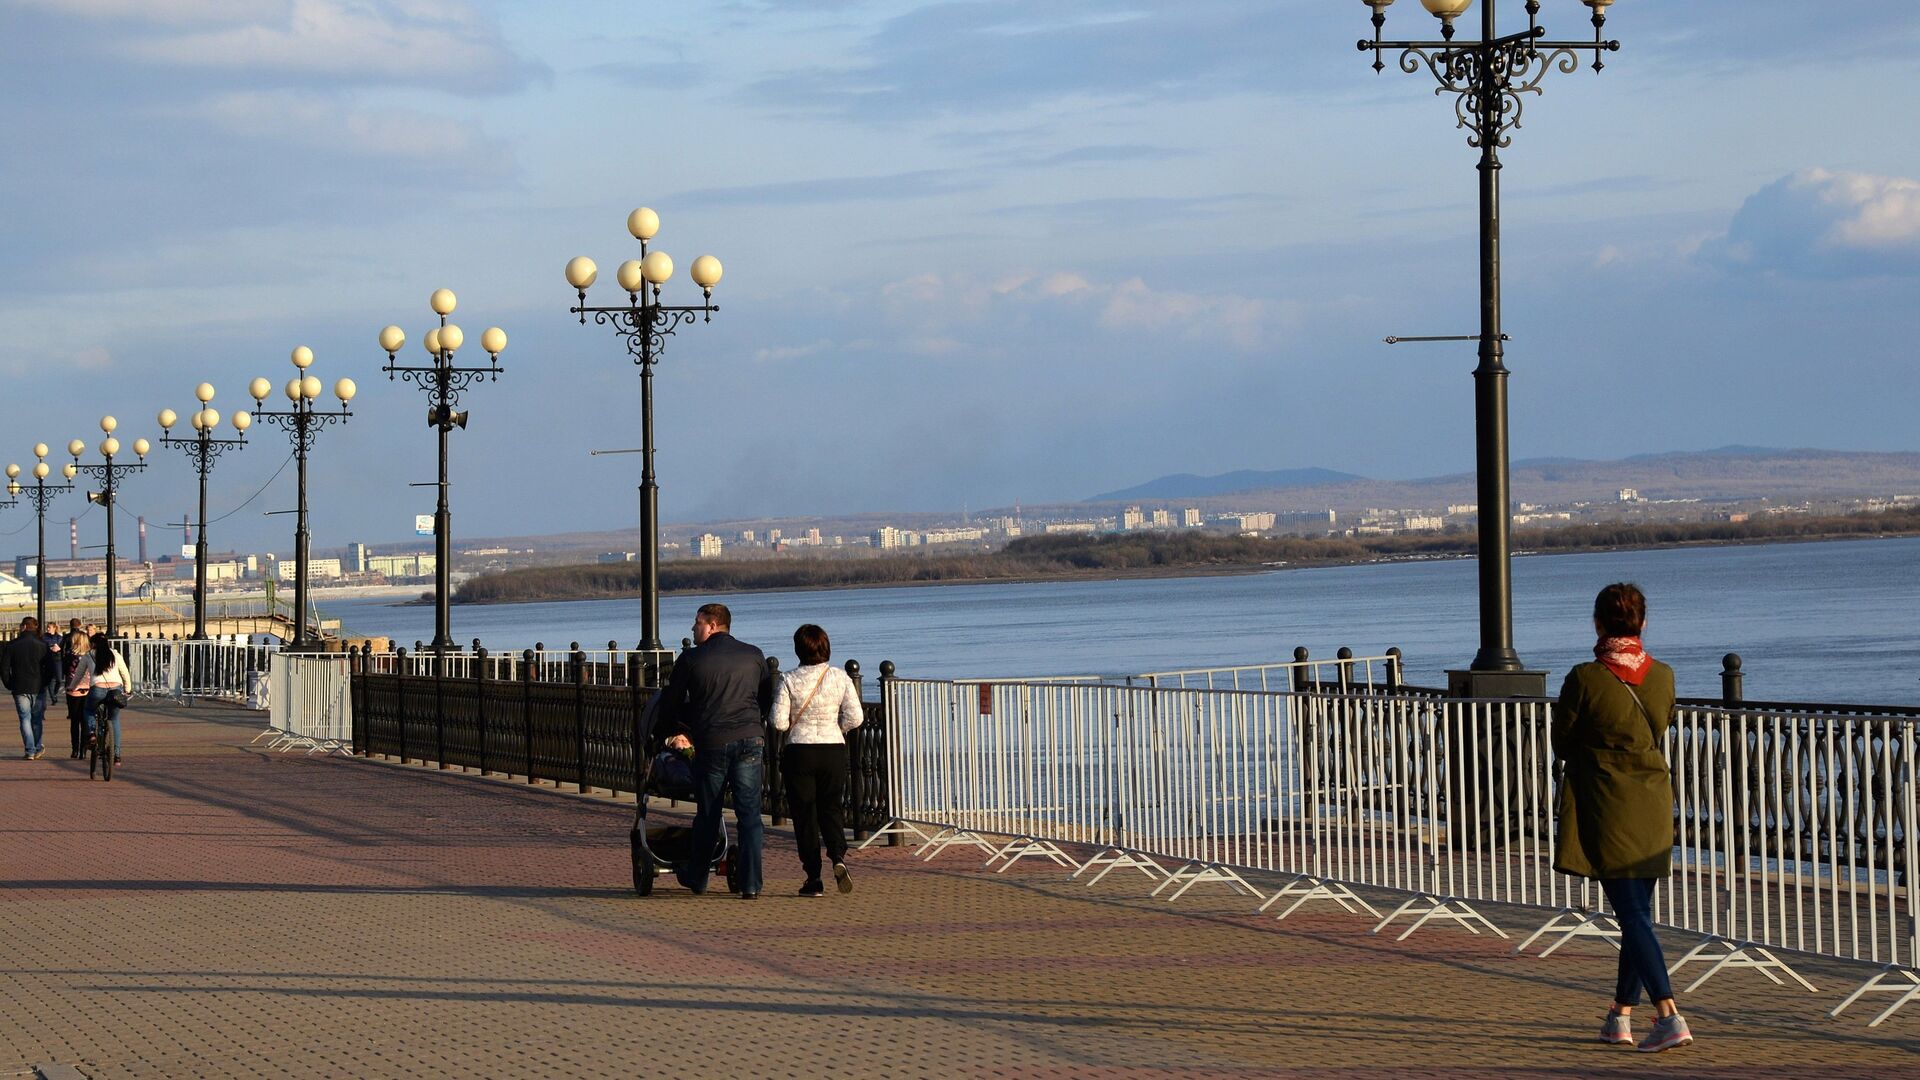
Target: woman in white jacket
point(817, 704)
point(100, 672)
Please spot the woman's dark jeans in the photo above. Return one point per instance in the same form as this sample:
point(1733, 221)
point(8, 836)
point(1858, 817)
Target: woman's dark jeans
point(77, 721)
point(816, 775)
point(1641, 962)
point(102, 710)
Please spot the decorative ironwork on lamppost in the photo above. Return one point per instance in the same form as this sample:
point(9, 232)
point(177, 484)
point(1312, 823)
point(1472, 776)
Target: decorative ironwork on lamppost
point(646, 323)
point(301, 420)
point(108, 472)
point(203, 449)
point(41, 493)
point(1489, 80)
point(443, 382)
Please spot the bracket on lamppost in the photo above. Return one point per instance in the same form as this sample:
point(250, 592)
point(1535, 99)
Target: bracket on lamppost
point(645, 323)
point(1489, 79)
point(42, 494)
point(203, 449)
point(443, 381)
point(109, 472)
point(301, 420)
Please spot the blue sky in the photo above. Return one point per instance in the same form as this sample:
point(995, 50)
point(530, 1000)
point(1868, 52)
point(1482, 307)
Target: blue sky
point(976, 252)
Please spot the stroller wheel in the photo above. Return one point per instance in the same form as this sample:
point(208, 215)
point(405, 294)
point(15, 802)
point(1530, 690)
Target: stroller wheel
point(642, 865)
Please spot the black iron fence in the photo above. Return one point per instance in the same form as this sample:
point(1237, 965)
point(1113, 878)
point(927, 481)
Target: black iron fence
point(575, 724)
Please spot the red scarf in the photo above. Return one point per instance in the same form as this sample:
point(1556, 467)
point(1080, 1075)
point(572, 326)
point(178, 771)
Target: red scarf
point(1625, 657)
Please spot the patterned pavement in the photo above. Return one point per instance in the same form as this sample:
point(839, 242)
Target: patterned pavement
point(219, 910)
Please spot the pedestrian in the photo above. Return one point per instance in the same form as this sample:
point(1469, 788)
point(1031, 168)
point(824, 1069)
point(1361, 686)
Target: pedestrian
point(817, 704)
point(716, 702)
point(104, 672)
point(77, 645)
point(27, 670)
point(1616, 801)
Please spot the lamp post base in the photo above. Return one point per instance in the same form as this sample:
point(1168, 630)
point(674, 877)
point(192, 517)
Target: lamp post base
point(1496, 684)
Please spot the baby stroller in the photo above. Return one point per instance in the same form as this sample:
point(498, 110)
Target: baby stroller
point(665, 774)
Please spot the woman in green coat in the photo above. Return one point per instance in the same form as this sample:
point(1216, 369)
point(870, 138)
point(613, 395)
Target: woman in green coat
point(1616, 801)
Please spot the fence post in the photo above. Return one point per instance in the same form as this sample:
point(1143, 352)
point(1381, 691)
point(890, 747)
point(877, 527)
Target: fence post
point(1395, 679)
point(579, 717)
point(1302, 681)
point(354, 690)
point(526, 701)
point(1344, 669)
point(1732, 682)
point(886, 723)
point(853, 813)
point(400, 699)
point(613, 667)
point(539, 653)
point(639, 706)
point(480, 700)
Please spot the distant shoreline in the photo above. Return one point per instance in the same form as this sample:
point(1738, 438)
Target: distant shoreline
point(1213, 569)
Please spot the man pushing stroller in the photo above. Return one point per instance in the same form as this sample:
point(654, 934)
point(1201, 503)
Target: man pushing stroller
point(716, 701)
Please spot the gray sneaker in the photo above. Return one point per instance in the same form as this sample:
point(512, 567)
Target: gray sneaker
point(1668, 1032)
point(1618, 1030)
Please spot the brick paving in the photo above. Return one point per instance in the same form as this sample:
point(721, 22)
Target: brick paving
point(219, 910)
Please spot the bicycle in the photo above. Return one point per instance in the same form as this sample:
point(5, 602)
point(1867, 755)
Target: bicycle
point(100, 746)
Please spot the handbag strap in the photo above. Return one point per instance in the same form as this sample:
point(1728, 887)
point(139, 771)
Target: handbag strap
point(822, 681)
point(1631, 692)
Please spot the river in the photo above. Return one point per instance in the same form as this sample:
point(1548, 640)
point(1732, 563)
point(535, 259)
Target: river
point(1825, 621)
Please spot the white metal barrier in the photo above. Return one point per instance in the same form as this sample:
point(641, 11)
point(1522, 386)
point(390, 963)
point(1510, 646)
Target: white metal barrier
point(226, 670)
point(604, 667)
point(1796, 831)
point(312, 703)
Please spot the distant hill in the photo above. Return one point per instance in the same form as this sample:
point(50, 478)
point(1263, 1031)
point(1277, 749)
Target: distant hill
point(1189, 486)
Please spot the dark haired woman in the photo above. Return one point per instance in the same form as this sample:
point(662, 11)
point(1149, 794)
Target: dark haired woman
point(1616, 801)
point(102, 671)
point(816, 704)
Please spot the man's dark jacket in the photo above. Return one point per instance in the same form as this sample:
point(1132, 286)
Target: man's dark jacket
point(718, 693)
point(27, 667)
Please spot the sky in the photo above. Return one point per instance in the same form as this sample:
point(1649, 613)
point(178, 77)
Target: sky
point(977, 252)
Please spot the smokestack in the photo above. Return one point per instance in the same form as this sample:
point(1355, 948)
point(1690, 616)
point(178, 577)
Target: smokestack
point(73, 531)
point(143, 539)
point(186, 529)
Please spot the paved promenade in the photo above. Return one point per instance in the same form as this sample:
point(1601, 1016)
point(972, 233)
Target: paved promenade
point(218, 910)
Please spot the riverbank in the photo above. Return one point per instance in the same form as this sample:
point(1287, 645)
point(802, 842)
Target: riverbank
point(1144, 555)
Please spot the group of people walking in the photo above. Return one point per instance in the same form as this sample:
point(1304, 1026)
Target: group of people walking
point(719, 702)
point(80, 665)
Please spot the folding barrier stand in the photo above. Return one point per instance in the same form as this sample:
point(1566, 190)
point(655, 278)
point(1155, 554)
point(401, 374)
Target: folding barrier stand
point(1306, 887)
point(1743, 954)
point(1438, 909)
point(897, 827)
point(1909, 991)
point(1195, 873)
point(1594, 924)
point(949, 836)
point(1114, 858)
point(1021, 847)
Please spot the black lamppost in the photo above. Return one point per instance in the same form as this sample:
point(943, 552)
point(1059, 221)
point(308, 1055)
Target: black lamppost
point(1489, 79)
point(301, 420)
point(646, 323)
point(203, 449)
point(108, 471)
point(443, 383)
point(42, 493)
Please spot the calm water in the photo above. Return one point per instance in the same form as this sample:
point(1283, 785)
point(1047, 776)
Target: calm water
point(1836, 621)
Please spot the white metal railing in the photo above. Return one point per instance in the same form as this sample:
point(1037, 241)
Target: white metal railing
point(228, 670)
point(312, 703)
point(603, 667)
point(1796, 831)
point(1369, 673)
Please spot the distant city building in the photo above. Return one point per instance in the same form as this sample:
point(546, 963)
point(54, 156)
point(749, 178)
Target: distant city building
point(615, 557)
point(1162, 519)
point(1424, 523)
point(1072, 526)
point(1131, 518)
point(953, 536)
point(708, 546)
point(746, 536)
point(1190, 518)
point(1257, 521)
point(1627, 495)
point(773, 536)
point(413, 565)
point(1457, 509)
point(813, 537)
point(356, 561)
point(316, 568)
point(886, 538)
point(488, 551)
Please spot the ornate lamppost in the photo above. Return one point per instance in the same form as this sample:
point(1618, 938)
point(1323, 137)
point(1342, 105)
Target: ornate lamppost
point(443, 383)
point(1489, 79)
point(41, 493)
point(109, 471)
point(203, 449)
point(301, 420)
point(646, 323)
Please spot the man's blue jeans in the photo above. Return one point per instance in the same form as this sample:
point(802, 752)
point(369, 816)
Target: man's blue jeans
point(33, 719)
point(741, 763)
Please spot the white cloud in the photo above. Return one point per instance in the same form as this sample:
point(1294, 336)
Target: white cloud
point(1826, 224)
point(333, 127)
point(779, 353)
